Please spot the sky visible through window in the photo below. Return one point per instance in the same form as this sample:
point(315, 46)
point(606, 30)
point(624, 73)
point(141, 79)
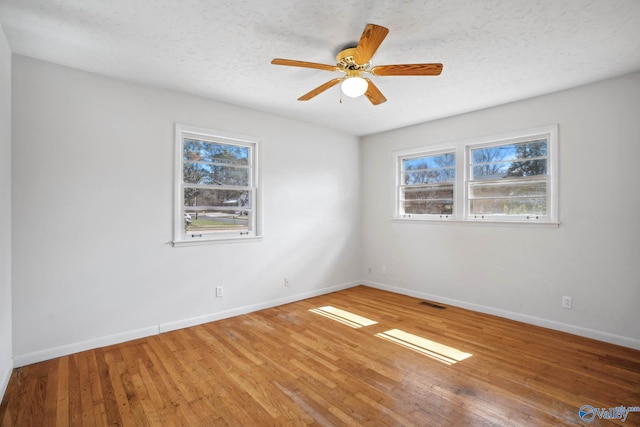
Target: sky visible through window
point(511, 160)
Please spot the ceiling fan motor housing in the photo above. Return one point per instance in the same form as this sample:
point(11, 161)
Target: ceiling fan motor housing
point(345, 61)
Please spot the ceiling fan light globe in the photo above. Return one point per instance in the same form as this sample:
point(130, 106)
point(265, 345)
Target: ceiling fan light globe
point(354, 87)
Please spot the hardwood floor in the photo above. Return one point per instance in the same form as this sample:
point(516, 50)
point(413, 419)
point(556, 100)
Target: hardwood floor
point(292, 366)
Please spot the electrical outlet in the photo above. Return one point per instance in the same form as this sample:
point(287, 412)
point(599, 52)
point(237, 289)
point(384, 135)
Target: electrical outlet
point(369, 270)
point(286, 281)
point(219, 291)
point(383, 269)
point(566, 303)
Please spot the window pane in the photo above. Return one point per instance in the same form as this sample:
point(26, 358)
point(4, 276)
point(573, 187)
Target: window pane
point(501, 173)
point(429, 176)
point(202, 151)
point(429, 193)
point(212, 221)
point(428, 200)
point(522, 150)
point(515, 206)
point(490, 171)
point(510, 160)
point(438, 170)
point(429, 169)
point(198, 197)
point(510, 169)
point(528, 168)
point(428, 207)
point(208, 174)
point(508, 189)
point(430, 162)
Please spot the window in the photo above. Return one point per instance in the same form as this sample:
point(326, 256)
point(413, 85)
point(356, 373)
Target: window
point(426, 184)
point(216, 186)
point(504, 178)
point(509, 180)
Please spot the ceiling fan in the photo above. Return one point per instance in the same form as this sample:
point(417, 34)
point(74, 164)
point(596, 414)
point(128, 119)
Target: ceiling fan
point(355, 62)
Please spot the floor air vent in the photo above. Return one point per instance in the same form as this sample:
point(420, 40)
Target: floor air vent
point(433, 305)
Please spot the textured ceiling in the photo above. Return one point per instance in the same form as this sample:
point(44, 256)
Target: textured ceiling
point(493, 51)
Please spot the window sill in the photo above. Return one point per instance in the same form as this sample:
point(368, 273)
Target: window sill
point(484, 222)
point(201, 242)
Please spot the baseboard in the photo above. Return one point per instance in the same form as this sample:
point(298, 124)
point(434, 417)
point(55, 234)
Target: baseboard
point(51, 353)
point(212, 317)
point(42, 355)
point(532, 320)
point(5, 376)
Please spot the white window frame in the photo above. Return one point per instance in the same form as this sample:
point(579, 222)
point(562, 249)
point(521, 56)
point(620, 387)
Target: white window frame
point(462, 151)
point(254, 231)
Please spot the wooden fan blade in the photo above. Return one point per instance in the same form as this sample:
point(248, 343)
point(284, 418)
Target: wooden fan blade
point(307, 96)
point(407, 70)
point(371, 38)
point(294, 63)
point(373, 93)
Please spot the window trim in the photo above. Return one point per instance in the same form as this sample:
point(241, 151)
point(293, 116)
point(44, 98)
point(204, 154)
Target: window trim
point(182, 131)
point(462, 150)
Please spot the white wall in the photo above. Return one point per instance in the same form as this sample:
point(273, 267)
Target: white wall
point(92, 210)
point(92, 185)
point(6, 361)
point(522, 273)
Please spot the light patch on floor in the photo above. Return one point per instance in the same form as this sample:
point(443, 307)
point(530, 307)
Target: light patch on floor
point(343, 316)
point(435, 350)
